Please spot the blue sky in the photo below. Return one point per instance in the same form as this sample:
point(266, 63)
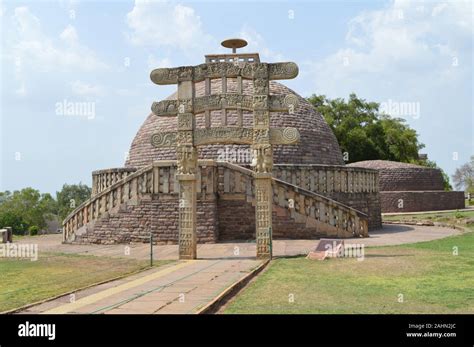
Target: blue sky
point(101, 52)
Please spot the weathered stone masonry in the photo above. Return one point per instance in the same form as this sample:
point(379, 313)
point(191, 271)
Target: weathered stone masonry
point(415, 201)
point(411, 188)
point(148, 202)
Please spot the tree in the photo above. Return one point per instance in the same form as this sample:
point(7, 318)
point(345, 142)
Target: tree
point(14, 220)
point(364, 133)
point(432, 164)
point(70, 197)
point(4, 196)
point(25, 208)
point(463, 177)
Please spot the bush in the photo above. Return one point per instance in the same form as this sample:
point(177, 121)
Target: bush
point(33, 230)
point(10, 219)
point(458, 215)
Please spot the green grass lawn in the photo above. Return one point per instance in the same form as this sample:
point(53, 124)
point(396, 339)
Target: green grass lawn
point(428, 275)
point(23, 281)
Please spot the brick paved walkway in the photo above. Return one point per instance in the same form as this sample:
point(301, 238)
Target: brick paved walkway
point(182, 287)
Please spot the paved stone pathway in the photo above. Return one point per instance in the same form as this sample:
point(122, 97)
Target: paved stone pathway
point(391, 234)
point(182, 287)
point(466, 209)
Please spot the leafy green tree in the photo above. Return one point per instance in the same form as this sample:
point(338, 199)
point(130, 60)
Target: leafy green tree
point(70, 197)
point(432, 164)
point(364, 133)
point(11, 219)
point(25, 208)
point(401, 141)
point(4, 196)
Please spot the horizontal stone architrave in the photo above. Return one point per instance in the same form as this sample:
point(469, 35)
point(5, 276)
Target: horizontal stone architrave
point(198, 73)
point(227, 135)
point(232, 101)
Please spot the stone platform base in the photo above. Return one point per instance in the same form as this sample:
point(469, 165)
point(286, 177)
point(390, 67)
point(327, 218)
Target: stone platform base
point(416, 201)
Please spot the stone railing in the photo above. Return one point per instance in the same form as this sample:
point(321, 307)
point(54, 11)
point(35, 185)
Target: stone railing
point(328, 178)
point(103, 179)
point(153, 181)
point(323, 213)
point(327, 214)
point(128, 190)
point(158, 178)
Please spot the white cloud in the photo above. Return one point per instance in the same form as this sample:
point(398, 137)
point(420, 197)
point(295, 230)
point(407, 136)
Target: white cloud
point(162, 23)
point(405, 43)
point(166, 24)
point(28, 52)
point(409, 52)
point(438, 9)
point(21, 91)
point(68, 3)
point(69, 35)
point(154, 63)
point(256, 43)
point(27, 43)
point(84, 89)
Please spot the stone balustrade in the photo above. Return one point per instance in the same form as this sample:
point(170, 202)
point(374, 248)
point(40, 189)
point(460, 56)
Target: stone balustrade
point(103, 179)
point(330, 217)
point(313, 209)
point(327, 179)
point(158, 178)
point(108, 200)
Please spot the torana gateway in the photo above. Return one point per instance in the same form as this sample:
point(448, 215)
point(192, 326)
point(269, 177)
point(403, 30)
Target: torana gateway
point(233, 155)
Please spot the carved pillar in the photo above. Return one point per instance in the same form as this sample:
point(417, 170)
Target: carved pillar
point(186, 155)
point(263, 214)
point(262, 161)
point(187, 216)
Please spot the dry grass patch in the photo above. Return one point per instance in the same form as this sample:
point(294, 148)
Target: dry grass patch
point(23, 281)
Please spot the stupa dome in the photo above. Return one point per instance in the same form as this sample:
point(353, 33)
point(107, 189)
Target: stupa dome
point(396, 176)
point(318, 144)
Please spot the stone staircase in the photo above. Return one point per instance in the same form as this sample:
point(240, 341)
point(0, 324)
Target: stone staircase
point(298, 212)
point(128, 204)
point(107, 201)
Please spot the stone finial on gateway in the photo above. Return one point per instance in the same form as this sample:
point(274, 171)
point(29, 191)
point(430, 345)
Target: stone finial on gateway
point(233, 57)
point(234, 44)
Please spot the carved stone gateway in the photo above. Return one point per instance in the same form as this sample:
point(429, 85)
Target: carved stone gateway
point(260, 137)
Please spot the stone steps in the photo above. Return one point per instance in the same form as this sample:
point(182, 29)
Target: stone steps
point(146, 201)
